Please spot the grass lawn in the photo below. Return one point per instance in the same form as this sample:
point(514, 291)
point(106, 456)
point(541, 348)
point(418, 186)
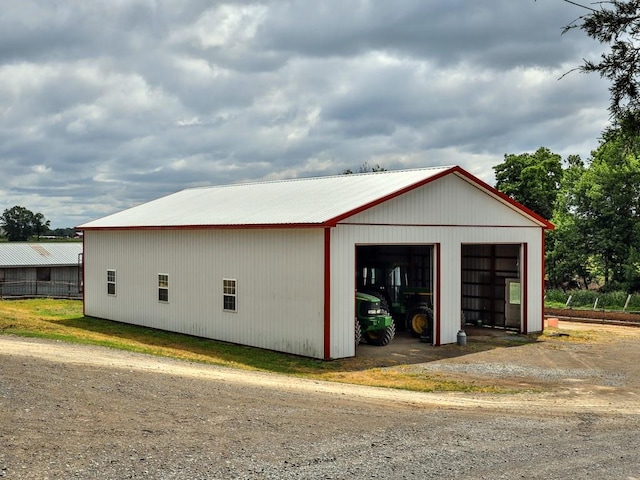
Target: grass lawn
point(63, 320)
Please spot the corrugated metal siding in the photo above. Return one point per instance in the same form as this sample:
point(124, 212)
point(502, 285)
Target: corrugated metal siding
point(39, 254)
point(346, 237)
point(279, 277)
point(23, 281)
point(449, 211)
point(447, 201)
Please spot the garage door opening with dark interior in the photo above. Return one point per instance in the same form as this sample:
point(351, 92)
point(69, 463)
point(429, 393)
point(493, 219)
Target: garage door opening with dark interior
point(401, 276)
point(491, 285)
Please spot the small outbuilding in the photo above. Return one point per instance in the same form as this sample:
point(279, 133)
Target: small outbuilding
point(276, 264)
point(40, 269)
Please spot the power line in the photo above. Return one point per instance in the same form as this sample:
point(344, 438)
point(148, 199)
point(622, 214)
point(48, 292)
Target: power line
point(580, 5)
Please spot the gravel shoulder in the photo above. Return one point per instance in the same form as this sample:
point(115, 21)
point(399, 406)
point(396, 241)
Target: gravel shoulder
point(72, 411)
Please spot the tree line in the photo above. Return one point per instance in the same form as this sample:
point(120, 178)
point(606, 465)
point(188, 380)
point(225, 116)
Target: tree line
point(595, 205)
point(19, 224)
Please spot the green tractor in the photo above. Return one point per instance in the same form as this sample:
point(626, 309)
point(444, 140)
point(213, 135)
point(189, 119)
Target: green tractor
point(373, 322)
point(415, 308)
point(410, 306)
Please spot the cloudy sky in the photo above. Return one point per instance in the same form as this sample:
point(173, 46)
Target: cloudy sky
point(105, 105)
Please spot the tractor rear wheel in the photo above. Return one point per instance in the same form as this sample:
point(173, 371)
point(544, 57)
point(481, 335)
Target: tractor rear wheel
point(380, 338)
point(358, 333)
point(420, 320)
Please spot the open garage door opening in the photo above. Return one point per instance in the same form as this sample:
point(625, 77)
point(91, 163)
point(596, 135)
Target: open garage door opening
point(491, 285)
point(401, 276)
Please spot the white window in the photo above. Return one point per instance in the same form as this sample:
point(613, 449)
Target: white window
point(111, 282)
point(229, 295)
point(163, 287)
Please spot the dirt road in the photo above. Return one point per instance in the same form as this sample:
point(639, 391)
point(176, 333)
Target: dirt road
point(71, 411)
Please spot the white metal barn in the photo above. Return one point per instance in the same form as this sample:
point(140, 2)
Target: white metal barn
point(273, 264)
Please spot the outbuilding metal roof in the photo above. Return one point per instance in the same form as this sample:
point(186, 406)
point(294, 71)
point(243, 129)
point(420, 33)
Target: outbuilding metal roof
point(14, 255)
point(319, 201)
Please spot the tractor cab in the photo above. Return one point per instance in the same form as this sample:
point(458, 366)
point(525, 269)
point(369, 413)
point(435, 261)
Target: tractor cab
point(404, 288)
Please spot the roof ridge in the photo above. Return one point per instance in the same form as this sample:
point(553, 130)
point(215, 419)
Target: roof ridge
point(322, 177)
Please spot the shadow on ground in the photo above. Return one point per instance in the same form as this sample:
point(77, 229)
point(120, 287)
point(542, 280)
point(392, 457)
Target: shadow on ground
point(407, 350)
point(403, 350)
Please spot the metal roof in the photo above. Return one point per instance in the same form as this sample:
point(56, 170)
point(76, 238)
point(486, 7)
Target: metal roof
point(319, 201)
point(18, 254)
point(306, 201)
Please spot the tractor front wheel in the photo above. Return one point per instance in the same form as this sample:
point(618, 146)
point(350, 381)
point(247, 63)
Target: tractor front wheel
point(358, 332)
point(380, 338)
point(420, 321)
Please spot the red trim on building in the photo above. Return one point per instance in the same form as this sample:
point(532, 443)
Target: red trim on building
point(456, 170)
point(437, 299)
point(292, 225)
point(264, 226)
point(84, 284)
point(524, 308)
point(333, 221)
point(446, 225)
point(327, 293)
point(545, 223)
point(544, 274)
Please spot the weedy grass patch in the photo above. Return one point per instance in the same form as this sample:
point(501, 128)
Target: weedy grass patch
point(64, 320)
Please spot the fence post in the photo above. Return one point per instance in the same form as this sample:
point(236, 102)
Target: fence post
point(626, 304)
point(595, 305)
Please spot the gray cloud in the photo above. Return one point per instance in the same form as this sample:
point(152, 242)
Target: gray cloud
point(501, 34)
point(107, 105)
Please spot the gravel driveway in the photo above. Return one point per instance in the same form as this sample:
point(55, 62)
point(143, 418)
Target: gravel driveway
point(69, 411)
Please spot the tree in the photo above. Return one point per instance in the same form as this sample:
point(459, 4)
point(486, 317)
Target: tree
point(19, 223)
point(62, 232)
point(365, 168)
point(567, 258)
point(617, 24)
point(531, 179)
point(606, 206)
point(40, 225)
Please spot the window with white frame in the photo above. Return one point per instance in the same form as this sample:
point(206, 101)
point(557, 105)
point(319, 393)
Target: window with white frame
point(229, 295)
point(163, 287)
point(111, 282)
